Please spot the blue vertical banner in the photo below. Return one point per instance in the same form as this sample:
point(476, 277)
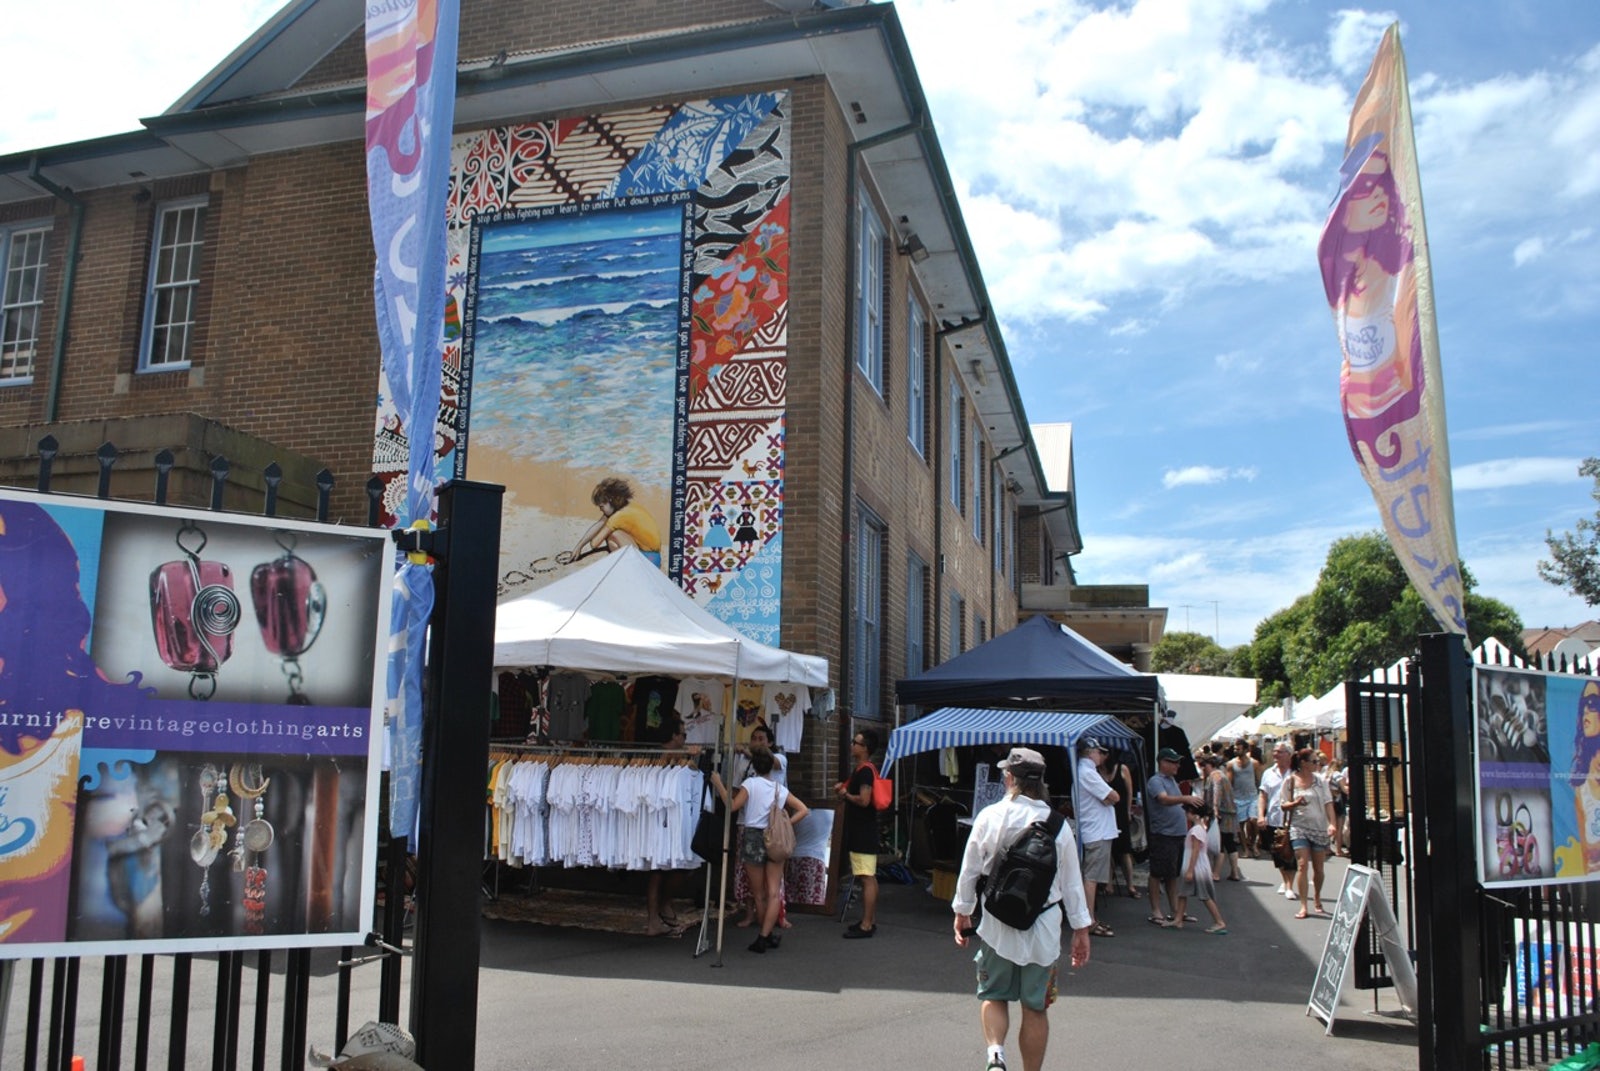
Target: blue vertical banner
point(411, 71)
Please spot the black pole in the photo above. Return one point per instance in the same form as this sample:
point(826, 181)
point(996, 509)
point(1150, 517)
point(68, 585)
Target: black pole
point(1445, 864)
point(455, 758)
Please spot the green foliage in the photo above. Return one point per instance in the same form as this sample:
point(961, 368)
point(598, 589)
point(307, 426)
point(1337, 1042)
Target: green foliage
point(1363, 615)
point(1189, 652)
point(1575, 556)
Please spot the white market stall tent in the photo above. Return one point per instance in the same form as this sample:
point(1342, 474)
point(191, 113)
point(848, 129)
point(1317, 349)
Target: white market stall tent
point(1204, 703)
point(623, 615)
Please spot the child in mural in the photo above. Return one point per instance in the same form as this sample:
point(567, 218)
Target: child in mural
point(622, 522)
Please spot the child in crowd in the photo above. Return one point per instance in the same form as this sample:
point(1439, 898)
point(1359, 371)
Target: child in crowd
point(1198, 880)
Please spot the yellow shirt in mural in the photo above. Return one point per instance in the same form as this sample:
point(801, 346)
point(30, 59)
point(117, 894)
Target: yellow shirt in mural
point(636, 523)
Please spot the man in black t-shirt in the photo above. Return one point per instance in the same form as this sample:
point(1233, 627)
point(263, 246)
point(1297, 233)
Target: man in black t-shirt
point(861, 829)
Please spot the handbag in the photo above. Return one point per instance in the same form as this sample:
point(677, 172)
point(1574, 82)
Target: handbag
point(779, 834)
point(707, 839)
point(1282, 854)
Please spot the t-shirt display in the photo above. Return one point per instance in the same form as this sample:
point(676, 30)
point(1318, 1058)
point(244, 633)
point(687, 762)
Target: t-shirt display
point(700, 705)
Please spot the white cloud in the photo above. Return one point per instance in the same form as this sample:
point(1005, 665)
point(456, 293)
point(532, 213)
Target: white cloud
point(1528, 249)
point(1086, 187)
point(156, 57)
point(1514, 472)
point(1200, 475)
point(1354, 38)
point(1223, 583)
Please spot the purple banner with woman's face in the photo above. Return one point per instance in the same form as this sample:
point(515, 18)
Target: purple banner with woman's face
point(189, 706)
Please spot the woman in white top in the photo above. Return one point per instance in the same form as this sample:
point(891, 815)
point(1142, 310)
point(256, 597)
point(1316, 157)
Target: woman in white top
point(756, 798)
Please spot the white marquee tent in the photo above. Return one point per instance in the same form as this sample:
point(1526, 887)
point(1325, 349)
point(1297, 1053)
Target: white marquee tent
point(1203, 703)
point(622, 615)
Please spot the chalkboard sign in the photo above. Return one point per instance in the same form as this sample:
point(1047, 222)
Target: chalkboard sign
point(1359, 882)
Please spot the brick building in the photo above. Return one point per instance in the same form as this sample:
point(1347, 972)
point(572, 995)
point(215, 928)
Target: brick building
point(204, 284)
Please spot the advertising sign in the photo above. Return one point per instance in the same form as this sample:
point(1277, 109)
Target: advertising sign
point(1538, 776)
point(190, 706)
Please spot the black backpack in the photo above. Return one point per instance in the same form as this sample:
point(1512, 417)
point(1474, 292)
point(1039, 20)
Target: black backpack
point(1018, 891)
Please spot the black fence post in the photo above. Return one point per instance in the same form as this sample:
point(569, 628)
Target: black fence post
point(455, 749)
point(1449, 968)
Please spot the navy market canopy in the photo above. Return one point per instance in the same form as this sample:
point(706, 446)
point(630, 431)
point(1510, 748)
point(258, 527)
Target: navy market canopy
point(963, 726)
point(1037, 660)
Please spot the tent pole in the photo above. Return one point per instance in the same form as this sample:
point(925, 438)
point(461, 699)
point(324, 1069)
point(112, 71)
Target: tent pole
point(728, 709)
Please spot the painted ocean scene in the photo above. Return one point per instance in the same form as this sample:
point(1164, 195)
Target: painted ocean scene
point(576, 325)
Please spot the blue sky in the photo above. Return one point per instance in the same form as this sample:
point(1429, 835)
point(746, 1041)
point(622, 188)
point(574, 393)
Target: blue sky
point(1144, 184)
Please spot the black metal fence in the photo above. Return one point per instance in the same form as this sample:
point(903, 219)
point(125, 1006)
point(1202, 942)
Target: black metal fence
point(1507, 977)
point(1540, 956)
point(1377, 737)
point(223, 1011)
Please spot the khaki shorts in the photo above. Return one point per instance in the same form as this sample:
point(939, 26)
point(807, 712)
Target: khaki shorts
point(1000, 979)
point(864, 864)
point(1097, 862)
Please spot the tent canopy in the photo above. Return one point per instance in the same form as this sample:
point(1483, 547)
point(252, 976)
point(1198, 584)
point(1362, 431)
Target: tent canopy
point(1039, 659)
point(965, 726)
point(1204, 703)
point(622, 615)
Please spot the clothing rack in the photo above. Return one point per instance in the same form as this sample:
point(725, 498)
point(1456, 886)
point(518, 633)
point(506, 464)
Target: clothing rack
point(588, 751)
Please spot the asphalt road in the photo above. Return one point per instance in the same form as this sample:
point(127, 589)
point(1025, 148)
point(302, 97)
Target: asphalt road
point(1148, 998)
point(578, 1000)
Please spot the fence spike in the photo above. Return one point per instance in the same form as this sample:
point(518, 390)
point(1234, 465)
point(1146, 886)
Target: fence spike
point(165, 460)
point(324, 492)
point(219, 479)
point(273, 475)
point(374, 500)
point(107, 456)
point(47, 456)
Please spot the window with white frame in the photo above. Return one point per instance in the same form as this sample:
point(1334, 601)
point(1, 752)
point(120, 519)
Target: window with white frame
point(916, 377)
point(174, 285)
point(866, 650)
point(958, 425)
point(21, 298)
point(870, 245)
point(978, 468)
point(957, 624)
point(916, 615)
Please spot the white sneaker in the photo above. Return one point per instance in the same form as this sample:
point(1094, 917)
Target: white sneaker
point(996, 1063)
point(1289, 894)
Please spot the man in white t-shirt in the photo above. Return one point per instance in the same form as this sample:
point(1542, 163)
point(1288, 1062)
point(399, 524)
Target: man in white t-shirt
point(1097, 823)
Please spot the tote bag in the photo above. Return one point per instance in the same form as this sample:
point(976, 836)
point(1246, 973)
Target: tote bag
point(779, 834)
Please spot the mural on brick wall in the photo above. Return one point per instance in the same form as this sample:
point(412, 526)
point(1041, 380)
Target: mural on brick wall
point(616, 328)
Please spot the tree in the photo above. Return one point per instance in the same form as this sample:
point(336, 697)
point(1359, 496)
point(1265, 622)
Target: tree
point(1363, 615)
point(1189, 652)
point(1575, 563)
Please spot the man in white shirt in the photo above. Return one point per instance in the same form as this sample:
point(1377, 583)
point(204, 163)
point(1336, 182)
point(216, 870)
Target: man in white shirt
point(1016, 964)
point(1097, 823)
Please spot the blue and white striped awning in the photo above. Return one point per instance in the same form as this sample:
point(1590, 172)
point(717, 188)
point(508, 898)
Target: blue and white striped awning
point(965, 726)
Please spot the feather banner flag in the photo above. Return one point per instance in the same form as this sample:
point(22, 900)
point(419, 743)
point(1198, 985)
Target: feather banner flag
point(411, 91)
point(1375, 269)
